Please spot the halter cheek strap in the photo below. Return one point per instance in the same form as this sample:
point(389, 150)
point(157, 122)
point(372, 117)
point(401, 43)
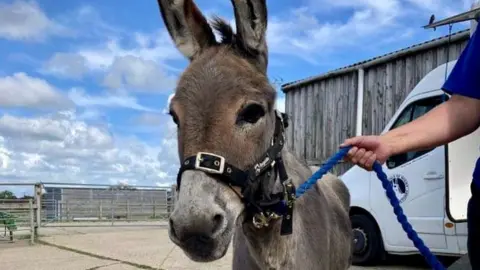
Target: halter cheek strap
point(260, 204)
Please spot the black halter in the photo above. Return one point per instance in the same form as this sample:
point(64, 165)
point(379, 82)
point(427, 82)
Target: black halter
point(260, 205)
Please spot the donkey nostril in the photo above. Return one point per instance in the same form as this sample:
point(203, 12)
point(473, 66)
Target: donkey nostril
point(217, 223)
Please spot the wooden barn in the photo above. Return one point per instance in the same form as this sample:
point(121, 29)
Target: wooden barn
point(325, 110)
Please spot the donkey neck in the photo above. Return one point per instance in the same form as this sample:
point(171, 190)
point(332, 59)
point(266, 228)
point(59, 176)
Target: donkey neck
point(267, 247)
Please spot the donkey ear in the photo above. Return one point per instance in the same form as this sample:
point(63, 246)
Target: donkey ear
point(187, 26)
point(251, 20)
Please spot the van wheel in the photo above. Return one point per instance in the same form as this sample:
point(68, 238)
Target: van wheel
point(367, 242)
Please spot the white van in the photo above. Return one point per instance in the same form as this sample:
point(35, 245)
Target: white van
point(421, 180)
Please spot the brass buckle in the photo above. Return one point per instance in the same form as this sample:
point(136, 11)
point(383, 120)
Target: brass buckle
point(261, 221)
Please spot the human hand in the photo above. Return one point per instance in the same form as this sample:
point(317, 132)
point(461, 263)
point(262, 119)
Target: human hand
point(366, 150)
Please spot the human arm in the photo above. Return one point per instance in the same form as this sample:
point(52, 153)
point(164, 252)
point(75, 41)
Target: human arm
point(457, 117)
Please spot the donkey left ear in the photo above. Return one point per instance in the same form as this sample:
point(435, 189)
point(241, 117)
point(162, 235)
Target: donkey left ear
point(251, 20)
point(187, 26)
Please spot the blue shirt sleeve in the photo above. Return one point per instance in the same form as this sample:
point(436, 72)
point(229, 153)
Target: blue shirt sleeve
point(465, 77)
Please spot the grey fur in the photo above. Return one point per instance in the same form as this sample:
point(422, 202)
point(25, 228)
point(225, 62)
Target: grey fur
point(221, 80)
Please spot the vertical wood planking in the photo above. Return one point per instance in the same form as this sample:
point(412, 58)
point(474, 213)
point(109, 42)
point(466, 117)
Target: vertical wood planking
point(288, 112)
point(353, 99)
point(400, 83)
point(317, 118)
point(323, 119)
point(389, 93)
point(441, 55)
point(409, 74)
point(381, 85)
point(331, 117)
point(310, 124)
point(428, 62)
point(338, 108)
point(303, 112)
point(452, 50)
point(298, 130)
point(367, 101)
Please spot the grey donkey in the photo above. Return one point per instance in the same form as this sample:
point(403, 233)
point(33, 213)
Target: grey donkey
point(224, 104)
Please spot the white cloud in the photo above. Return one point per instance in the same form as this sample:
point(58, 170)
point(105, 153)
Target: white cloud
point(139, 68)
point(303, 33)
point(66, 64)
point(21, 90)
point(61, 129)
point(62, 148)
point(133, 72)
point(81, 98)
point(22, 20)
point(4, 154)
point(442, 8)
point(156, 46)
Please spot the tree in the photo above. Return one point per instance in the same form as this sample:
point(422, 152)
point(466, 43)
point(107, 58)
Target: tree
point(6, 194)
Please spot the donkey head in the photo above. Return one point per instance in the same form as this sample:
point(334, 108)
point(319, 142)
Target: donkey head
point(223, 104)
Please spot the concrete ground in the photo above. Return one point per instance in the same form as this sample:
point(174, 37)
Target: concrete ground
point(123, 248)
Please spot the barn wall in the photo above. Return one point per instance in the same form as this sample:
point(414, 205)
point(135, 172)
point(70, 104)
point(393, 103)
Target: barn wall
point(322, 115)
point(323, 112)
point(388, 84)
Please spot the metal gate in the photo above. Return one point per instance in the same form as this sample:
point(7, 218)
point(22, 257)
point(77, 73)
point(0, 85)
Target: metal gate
point(95, 205)
point(17, 214)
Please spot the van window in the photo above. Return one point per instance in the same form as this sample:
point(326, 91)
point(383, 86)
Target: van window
point(410, 113)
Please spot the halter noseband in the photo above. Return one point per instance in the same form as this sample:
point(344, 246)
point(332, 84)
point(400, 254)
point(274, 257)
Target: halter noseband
point(260, 205)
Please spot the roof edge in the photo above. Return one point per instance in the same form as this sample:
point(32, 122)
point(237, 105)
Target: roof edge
point(459, 35)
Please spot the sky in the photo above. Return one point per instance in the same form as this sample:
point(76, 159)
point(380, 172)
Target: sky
point(84, 85)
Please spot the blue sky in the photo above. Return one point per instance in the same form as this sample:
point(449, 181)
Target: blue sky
point(84, 84)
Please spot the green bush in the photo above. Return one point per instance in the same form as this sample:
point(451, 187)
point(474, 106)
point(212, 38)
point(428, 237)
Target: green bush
point(8, 221)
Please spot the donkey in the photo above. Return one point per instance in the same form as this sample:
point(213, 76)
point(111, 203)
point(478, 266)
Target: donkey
point(236, 180)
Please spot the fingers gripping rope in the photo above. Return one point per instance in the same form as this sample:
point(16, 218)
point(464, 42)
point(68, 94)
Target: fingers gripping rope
point(397, 209)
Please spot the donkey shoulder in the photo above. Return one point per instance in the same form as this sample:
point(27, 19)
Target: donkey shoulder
point(335, 190)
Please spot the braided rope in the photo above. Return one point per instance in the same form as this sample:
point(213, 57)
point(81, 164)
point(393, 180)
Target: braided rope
point(397, 209)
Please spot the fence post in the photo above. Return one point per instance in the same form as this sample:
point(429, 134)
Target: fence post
point(112, 210)
point(38, 202)
point(67, 207)
point(174, 196)
point(32, 221)
point(100, 210)
point(154, 214)
point(128, 210)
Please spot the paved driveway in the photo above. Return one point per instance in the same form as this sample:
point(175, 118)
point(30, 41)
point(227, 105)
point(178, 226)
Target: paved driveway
point(122, 248)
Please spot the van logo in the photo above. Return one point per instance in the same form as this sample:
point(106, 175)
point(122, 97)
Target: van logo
point(400, 186)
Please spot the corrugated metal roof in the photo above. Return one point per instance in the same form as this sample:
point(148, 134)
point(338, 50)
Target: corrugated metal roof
point(463, 34)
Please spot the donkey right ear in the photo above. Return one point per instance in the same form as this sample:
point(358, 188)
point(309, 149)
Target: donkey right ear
point(187, 26)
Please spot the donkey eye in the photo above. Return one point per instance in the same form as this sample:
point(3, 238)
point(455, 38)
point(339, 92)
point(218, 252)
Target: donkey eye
point(250, 114)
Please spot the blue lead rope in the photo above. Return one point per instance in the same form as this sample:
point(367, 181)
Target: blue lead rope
point(397, 209)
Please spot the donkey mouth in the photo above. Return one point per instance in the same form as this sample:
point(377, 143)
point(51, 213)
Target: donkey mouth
point(202, 248)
